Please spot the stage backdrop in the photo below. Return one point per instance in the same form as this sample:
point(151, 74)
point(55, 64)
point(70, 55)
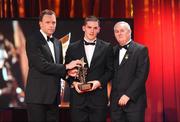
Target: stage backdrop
point(14, 68)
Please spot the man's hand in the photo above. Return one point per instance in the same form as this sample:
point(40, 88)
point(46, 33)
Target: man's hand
point(75, 85)
point(73, 72)
point(96, 84)
point(73, 64)
point(123, 100)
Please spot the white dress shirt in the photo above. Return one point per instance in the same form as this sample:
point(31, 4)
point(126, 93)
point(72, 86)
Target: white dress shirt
point(122, 52)
point(50, 44)
point(89, 50)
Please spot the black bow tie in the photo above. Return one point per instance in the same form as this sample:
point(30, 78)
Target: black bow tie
point(50, 39)
point(125, 46)
point(89, 43)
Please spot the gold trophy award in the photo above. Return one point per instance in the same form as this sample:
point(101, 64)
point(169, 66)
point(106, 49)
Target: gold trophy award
point(82, 72)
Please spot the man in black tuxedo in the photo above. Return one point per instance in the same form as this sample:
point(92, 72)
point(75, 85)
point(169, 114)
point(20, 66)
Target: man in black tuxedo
point(91, 105)
point(44, 54)
point(131, 64)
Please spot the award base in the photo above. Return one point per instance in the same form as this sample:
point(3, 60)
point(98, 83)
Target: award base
point(85, 86)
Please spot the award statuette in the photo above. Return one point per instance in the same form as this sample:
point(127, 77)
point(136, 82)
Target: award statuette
point(82, 72)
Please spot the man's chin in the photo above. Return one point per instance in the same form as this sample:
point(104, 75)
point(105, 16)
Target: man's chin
point(91, 38)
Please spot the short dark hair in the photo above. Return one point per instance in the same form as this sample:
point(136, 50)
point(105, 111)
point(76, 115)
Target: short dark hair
point(46, 12)
point(91, 18)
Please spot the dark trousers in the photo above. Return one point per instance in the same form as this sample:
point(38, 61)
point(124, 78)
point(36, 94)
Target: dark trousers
point(121, 116)
point(88, 114)
point(43, 113)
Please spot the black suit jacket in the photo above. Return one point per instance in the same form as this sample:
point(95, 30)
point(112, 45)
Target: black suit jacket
point(130, 77)
point(43, 82)
point(101, 69)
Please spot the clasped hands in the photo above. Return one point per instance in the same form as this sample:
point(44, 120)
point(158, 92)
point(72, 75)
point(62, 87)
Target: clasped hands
point(95, 84)
point(73, 72)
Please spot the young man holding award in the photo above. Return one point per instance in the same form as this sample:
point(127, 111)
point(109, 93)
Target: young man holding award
point(88, 92)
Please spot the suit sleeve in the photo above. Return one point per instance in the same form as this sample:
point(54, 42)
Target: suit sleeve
point(68, 59)
point(39, 61)
point(138, 84)
point(108, 68)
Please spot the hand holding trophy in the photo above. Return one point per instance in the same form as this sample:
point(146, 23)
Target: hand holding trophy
point(82, 72)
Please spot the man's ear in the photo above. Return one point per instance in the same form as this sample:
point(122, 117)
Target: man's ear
point(83, 28)
point(40, 24)
point(99, 29)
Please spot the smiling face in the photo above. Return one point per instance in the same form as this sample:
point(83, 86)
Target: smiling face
point(122, 32)
point(48, 24)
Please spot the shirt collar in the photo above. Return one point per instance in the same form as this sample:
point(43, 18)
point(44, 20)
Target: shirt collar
point(89, 40)
point(129, 41)
point(44, 35)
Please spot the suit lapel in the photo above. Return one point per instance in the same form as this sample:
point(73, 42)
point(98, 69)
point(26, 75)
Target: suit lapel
point(125, 58)
point(116, 59)
point(97, 52)
point(45, 45)
point(82, 52)
point(56, 50)
point(127, 55)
